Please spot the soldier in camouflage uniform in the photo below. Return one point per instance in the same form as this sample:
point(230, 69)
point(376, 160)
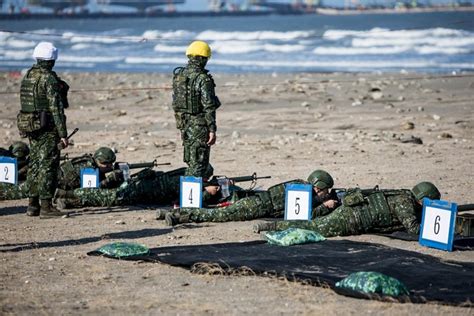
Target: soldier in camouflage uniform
point(195, 104)
point(70, 172)
point(20, 151)
point(270, 203)
point(42, 120)
point(147, 186)
point(376, 211)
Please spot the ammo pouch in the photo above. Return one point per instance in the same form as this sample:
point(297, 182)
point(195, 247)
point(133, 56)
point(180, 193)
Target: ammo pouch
point(29, 122)
point(379, 207)
point(353, 197)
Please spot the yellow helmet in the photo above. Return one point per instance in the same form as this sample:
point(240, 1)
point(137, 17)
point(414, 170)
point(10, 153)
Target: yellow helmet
point(199, 48)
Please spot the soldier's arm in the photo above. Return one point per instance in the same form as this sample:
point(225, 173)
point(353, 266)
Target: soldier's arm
point(55, 105)
point(209, 101)
point(112, 180)
point(406, 215)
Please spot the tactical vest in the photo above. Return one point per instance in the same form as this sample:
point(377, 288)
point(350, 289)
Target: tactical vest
point(185, 97)
point(70, 171)
point(32, 98)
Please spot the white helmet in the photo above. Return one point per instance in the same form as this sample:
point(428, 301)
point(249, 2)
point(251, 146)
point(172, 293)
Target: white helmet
point(45, 51)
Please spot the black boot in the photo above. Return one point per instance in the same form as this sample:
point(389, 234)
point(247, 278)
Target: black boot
point(260, 227)
point(33, 207)
point(173, 219)
point(48, 210)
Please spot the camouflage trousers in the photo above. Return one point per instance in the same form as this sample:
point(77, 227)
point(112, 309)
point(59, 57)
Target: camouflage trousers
point(196, 151)
point(248, 208)
point(13, 192)
point(44, 164)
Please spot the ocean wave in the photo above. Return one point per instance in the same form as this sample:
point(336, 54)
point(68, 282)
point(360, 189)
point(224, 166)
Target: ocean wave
point(244, 47)
point(18, 55)
point(178, 34)
point(210, 35)
point(88, 59)
point(387, 33)
point(81, 46)
point(17, 43)
point(156, 60)
point(425, 50)
point(338, 50)
point(169, 49)
point(440, 42)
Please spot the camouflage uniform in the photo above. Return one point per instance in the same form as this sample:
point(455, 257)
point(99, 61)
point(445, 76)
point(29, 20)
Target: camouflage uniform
point(147, 186)
point(380, 211)
point(70, 174)
point(9, 191)
point(195, 104)
point(270, 203)
point(42, 120)
point(68, 178)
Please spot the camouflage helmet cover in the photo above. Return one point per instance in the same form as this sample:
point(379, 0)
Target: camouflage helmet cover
point(426, 189)
point(105, 155)
point(19, 149)
point(321, 179)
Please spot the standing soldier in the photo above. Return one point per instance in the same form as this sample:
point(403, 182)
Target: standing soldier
point(195, 104)
point(42, 120)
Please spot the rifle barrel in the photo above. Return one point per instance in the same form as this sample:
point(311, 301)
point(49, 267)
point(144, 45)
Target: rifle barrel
point(465, 207)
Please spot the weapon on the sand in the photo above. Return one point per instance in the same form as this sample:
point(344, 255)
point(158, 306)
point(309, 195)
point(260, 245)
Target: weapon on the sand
point(465, 207)
point(61, 145)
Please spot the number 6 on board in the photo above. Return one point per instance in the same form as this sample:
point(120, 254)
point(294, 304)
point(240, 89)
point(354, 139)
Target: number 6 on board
point(437, 224)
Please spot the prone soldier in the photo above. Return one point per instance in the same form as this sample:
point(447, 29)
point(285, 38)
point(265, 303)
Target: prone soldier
point(366, 212)
point(20, 151)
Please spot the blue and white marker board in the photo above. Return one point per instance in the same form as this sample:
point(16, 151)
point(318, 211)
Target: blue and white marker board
point(8, 170)
point(438, 224)
point(298, 202)
point(89, 178)
point(190, 192)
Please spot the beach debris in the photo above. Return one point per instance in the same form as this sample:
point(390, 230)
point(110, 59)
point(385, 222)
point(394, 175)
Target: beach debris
point(436, 117)
point(235, 135)
point(121, 113)
point(420, 109)
point(120, 222)
point(356, 103)
point(408, 125)
point(411, 139)
point(401, 98)
point(305, 104)
point(376, 93)
point(445, 135)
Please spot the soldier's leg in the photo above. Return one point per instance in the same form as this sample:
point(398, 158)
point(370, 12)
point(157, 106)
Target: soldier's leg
point(344, 221)
point(47, 174)
point(245, 209)
point(196, 151)
point(97, 197)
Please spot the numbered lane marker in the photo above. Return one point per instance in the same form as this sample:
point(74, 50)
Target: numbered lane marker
point(438, 224)
point(190, 192)
point(298, 201)
point(8, 170)
point(89, 178)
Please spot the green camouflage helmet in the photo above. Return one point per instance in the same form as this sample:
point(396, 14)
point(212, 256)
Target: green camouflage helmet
point(104, 155)
point(426, 189)
point(19, 149)
point(321, 179)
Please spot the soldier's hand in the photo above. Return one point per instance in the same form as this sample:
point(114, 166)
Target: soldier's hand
point(212, 139)
point(65, 142)
point(330, 204)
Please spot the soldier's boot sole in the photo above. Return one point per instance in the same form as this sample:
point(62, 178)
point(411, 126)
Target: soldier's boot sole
point(49, 211)
point(260, 227)
point(171, 219)
point(161, 213)
point(33, 207)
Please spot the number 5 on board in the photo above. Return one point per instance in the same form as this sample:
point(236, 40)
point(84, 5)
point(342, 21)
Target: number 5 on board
point(298, 201)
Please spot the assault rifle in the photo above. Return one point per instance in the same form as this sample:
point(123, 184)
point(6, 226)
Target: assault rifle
point(151, 164)
point(61, 145)
point(225, 182)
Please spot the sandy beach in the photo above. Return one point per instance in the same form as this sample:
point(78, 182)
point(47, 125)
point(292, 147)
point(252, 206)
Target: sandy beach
point(391, 130)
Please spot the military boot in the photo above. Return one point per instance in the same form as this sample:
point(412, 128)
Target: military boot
point(161, 213)
point(260, 227)
point(64, 204)
point(48, 210)
point(33, 207)
point(175, 219)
